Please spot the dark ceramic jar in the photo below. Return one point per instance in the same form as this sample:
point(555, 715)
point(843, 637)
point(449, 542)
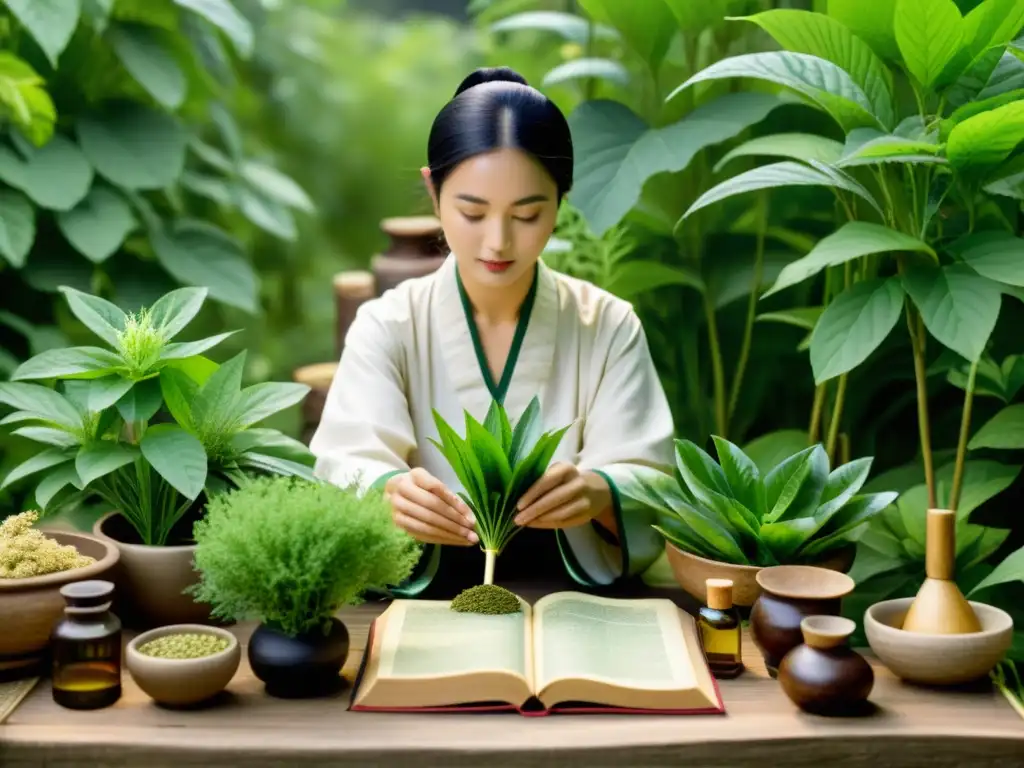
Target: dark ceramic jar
point(298, 667)
point(789, 594)
point(824, 675)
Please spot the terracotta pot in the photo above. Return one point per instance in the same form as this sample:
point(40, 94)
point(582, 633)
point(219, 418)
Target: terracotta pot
point(30, 608)
point(789, 594)
point(692, 573)
point(151, 580)
point(824, 675)
point(305, 666)
point(416, 248)
point(183, 682)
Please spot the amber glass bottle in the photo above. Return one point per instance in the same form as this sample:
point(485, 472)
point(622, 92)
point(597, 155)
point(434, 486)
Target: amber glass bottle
point(87, 648)
point(719, 623)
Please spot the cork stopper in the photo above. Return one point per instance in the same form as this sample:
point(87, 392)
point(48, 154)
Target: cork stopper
point(940, 544)
point(355, 283)
point(719, 594)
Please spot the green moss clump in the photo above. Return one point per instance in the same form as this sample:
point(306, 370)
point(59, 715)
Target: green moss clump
point(486, 598)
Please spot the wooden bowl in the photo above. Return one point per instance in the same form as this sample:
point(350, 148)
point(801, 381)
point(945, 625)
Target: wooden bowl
point(31, 607)
point(183, 682)
point(937, 659)
point(692, 572)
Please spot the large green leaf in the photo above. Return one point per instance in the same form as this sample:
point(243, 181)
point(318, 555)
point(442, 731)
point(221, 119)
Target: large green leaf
point(632, 278)
point(784, 174)
point(101, 458)
point(100, 316)
point(785, 538)
point(144, 54)
point(133, 146)
point(48, 404)
point(958, 306)
point(50, 22)
point(106, 391)
point(177, 456)
point(997, 255)
point(580, 69)
point(56, 481)
point(851, 241)
point(985, 140)
point(694, 17)
point(858, 511)
point(819, 35)
point(223, 15)
point(617, 153)
point(795, 146)
point(820, 81)
point(853, 325)
point(801, 317)
point(929, 33)
point(197, 253)
point(178, 392)
point(743, 476)
point(17, 227)
point(647, 26)
point(23, 93)
point(1010, 569)
point(275, 185)
point(794, 486)
point(527, 431)
point(489, 452)
point(768, 451)
point(56, 175)
point(176, 309)
point(871, 21)
point(842, 484)
point(99, 224)
point(1003, 431)
point(277, 465)
point(68, 362)
point(141, 402)
point(270, 442)
point(178, 351)
point(263, 400)
point(45, 459)
point(893, 149)
point(569, 26)
point(215, 406)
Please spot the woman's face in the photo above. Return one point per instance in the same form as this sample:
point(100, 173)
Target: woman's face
point(498, 211)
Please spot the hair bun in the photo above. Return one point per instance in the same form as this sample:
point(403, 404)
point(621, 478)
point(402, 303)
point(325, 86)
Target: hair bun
point(490, 75)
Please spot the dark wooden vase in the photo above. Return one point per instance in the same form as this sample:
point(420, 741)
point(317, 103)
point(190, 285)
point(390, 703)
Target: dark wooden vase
point(789, 594)
point(416, 249)
point(304, 666)
point(824, 675)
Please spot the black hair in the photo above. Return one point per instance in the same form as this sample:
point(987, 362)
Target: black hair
point(494, 108)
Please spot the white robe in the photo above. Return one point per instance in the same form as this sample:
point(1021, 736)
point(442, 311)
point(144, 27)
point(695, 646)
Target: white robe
point(584, 353)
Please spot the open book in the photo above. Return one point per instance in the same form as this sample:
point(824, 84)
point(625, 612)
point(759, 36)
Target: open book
point(570, 652)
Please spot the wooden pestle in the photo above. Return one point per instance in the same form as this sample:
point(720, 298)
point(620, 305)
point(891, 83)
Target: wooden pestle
point(940, 607)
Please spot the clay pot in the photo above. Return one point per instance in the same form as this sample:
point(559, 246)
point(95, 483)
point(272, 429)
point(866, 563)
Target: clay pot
point(789, 594)
point(824, 675)
point(304, 666)
point(182, 682)
point(32, 607)
point(692, 573)
point(151, 580)
point(416, 249)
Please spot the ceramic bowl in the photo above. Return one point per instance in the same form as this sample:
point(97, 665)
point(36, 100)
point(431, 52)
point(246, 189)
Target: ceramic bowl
point(937, 659)
point(183, 682)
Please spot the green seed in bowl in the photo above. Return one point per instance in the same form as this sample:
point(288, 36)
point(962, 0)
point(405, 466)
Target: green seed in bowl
point(187, 645)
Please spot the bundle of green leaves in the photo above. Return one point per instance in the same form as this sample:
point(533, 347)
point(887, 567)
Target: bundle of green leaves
point(496, 465)
point(290, 552)
point(799, 512)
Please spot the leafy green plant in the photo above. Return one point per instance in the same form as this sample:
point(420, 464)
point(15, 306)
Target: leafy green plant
point(290, 552)
point(147, 425)
point(798, 512)
point(496, 465)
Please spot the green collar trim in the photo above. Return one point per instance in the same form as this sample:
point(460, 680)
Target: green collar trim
point(499, 390)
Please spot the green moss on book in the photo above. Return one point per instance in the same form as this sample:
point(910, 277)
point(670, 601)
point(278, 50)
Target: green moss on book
point(486, 598)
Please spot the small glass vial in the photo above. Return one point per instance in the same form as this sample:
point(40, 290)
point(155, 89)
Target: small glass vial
point(719, 623)
point(87, 648)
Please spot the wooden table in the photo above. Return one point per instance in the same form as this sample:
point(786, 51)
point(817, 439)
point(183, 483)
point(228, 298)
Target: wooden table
point(910, 727)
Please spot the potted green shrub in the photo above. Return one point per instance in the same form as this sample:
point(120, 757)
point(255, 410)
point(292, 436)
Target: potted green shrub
point(724, 520)
point(151, 428)
point(289, 553)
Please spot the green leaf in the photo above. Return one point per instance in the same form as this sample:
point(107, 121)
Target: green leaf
point(99, 224)
point(582, 68)
point(699, 471)
point(462, 462)
point(56, 176)
point(24, 94)
point(263, 400)
point(929, 33)
point(267, 214)
point(958, 306)
point(275, 185)
point(48, 435)
point(794, 488)
point(983, 480)
point(818, 80)
point(647, 26)
point(270, 442)
point(618, 153)
point(871, 21)
point(987, 139)
point(199, 254)
point(100, 316)
point(853, 325)
point(1009, 570)
point(743, 477)
point(893, 149)
point(784, 539)
point(819, 35)
point(632, 278)
point(177, 351)
point(489, 453)
point(784, 174)
point(37, 399)
point(104, 392)
point(996, 255)
point(770, 450)
point(46, 459)
point(215, 406)
point(50, 22)
point(795, 146)
point(801, 317)
point(179, 392)
point(527, 431)
point(143, 53)
point(55, 482)
point(842, 484)
point(17, 227)
point(175, 310)
point(101, 458)
point(223, 15)
point(1004, 431)
point(277, 465)
point(133, 146)
point(851, 241)
point(177, 456)
point(569, 26)
point(858, 511)
point(141, 402)
point(68, 362)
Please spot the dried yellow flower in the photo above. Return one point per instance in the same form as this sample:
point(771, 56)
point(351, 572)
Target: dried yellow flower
point(26, 552)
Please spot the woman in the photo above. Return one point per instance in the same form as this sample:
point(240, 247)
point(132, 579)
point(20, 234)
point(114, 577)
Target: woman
point(495, 322)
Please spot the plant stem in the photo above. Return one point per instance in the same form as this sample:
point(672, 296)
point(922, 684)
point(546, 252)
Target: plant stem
point(819, 403)
point(924, 428)
point(833, 422)
point(961, 447)
point(748, 328)
point(717, 369)
point(489, 557)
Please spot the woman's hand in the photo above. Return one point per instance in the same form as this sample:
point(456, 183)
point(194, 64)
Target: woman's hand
point(565, 497)
point(427, 510)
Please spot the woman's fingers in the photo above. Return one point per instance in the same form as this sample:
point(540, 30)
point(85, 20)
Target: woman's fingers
point(556, 497)
point(556, 475)
point(423, 479)
point(435, 522)
point(437, 504)
point(569, 515)
point(427, 533)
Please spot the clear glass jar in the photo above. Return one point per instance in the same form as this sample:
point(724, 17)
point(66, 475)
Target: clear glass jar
point(86, 646)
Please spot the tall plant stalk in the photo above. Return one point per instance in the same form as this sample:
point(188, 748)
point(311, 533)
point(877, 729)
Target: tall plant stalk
point(833, 422)
point(961, 447)
point(748, 328)
point(814, 430)
point(917, 341)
